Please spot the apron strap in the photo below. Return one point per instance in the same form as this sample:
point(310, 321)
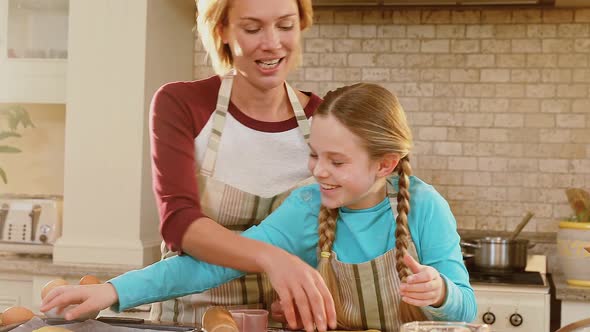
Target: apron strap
point(223, 98)
point(300, 116)
point(218, 123)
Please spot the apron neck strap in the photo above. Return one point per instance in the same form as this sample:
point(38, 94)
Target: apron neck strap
point(221, 110)
point(302, 122)
point(219, 116)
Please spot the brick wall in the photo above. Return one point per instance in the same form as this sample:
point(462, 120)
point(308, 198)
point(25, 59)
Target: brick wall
point(498, 99)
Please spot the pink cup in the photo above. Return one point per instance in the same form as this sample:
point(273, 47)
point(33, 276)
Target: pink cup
point(250, 320)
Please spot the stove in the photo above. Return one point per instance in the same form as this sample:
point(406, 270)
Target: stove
point(526, 278)
point(512, 301)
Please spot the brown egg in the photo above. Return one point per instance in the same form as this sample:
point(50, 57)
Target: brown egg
point(15, 315)
point(89, 280)
point(51, 285)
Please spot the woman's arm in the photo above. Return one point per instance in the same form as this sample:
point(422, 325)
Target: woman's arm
point(174, 124)
point(208, 241)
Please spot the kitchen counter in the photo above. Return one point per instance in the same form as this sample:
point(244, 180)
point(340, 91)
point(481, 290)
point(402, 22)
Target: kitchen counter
point(22, 277)
point(565, 292)
point(43, 264)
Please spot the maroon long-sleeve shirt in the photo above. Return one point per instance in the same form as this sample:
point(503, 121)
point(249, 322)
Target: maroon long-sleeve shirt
point(179, 112)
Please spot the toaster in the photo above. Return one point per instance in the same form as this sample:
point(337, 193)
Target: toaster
point(29, 224)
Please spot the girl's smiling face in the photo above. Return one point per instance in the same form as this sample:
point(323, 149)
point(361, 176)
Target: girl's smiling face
point(342, 166)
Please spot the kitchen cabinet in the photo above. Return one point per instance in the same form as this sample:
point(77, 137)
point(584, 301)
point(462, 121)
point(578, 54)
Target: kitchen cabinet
point(22, 278)
point(575, 301)
point(573, 311)
point(33, 51)
point(20, 289)
point(16, 291)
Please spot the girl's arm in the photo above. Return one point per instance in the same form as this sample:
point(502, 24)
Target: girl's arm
point(289, 230)
point(438, 246)
point(292, 228)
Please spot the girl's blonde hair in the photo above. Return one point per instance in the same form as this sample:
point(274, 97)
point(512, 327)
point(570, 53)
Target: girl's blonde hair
point(211, 14)
point(375, 115)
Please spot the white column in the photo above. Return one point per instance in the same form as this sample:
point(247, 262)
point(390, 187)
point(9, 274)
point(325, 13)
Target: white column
point(120, 52)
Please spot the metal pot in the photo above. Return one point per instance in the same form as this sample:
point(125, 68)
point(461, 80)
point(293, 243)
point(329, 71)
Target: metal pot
point(497, 254)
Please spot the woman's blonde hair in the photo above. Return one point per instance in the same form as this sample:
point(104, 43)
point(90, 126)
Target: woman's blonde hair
point(213, 13)
point(375, 115)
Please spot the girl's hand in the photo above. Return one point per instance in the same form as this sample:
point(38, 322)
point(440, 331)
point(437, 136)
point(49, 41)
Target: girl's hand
point(304, 297)
point(425, 287)
point(89, 298)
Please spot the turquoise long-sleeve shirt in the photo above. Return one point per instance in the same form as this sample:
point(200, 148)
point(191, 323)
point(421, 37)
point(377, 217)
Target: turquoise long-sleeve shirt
point(361, 235)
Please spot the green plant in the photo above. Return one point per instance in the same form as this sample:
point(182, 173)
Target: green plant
point(582, 216)
point(14, 116)
point(579, 200)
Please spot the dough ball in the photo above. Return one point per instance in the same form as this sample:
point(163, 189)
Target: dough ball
point(89, 280)
point(52, 329)
point(15, 315)
point(51, 285)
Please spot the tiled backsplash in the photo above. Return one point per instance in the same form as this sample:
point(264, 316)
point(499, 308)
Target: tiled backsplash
point(498, 99)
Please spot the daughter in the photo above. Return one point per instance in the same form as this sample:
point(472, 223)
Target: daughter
point(386, 258)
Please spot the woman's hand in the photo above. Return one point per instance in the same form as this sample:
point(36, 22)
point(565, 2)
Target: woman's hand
point(277, 314)
point(89, 299)
point(302, 291)
point(425, 287)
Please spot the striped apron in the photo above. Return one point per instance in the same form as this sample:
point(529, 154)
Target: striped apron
point(236, 210)
point(369, 291)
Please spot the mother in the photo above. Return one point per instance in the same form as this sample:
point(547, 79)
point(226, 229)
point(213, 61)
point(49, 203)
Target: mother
point(227, 149)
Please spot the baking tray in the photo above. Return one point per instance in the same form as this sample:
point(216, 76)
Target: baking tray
point(123, 323)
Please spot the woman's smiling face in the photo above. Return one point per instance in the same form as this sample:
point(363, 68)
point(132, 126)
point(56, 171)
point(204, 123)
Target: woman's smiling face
point(264, 38)
point(342, 166)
